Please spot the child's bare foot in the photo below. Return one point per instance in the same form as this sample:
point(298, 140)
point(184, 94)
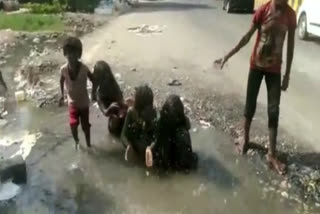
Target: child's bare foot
point(276, 165)
point(241, 146)
point(149, 157)
point(76, 146)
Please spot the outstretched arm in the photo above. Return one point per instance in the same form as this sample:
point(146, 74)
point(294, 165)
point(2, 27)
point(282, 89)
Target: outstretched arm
point(102, 107)
point(94, 86)
point(62, 79)
point(124, 134)
point(290, 53)
point(244, 41)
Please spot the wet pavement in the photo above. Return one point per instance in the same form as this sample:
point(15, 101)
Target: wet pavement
point(61, 180)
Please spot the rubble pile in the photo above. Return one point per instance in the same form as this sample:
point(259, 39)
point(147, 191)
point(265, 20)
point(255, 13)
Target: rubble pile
point(80, 25)
point(38, 77)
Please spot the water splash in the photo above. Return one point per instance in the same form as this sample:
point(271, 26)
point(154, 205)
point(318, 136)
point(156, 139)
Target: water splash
point(9, 190)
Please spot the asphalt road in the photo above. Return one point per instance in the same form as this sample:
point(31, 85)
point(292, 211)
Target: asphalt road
point(194, 34)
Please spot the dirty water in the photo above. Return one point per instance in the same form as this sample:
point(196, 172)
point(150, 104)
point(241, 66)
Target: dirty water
point(61, 180)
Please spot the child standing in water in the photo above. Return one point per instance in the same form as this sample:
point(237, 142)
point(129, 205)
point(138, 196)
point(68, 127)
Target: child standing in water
point(140, 123)
point(74, 75)
point(109, 97)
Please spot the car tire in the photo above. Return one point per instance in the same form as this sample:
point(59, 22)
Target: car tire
point(228, 8)
point(251, 9)
point(302, 27)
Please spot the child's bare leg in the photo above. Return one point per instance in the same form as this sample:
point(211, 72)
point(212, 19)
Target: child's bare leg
point(271, 156)
point(273, 82)
point(242, 145)
point(86, 126)
point(86, 131)
point(87, 136)
point(74, 131)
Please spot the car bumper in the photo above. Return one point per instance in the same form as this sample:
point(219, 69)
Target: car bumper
point(241, 5)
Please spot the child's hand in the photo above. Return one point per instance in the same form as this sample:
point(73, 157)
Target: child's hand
point(285, 83)
point(61, 101)
point(127, 152)
point(129, 101)
point(149, 157)
point(220, 62)
point(113, 108)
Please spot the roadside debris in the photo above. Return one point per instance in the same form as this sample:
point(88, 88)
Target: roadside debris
point(20, 96)
point(147, 29)
point(305, 182)
point(204, 124)
point(36, 40)
point(37, 77)
point(83, 23)
point(174, 82)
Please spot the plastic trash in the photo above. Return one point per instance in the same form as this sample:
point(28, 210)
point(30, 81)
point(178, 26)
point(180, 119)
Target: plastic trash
point(20, 96)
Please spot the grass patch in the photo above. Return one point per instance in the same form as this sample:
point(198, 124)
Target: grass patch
point(46, 8)
point(31, 22)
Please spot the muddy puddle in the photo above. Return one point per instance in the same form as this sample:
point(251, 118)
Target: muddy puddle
point(61, 180)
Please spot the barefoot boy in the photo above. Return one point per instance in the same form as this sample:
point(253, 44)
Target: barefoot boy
point(74, 75)
point(273, 21)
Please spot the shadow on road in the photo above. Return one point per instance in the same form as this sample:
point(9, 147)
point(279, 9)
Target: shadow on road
point(212, 169)
point(314, 40)
point(309, 159)
point(169, 6)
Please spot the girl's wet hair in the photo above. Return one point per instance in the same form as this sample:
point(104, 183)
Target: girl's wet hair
point(172, 112)
point(72, 44)
point(102, 69)
point(103, 75)
point(143, 97)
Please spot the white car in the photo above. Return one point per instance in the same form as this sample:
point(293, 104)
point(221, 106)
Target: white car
point(308, 19)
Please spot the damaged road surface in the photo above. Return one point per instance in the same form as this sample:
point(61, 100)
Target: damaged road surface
point(171, 46)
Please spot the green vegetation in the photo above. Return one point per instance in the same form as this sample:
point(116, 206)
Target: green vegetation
point(31, 22)
point(82, 5)
point(59, 6)
point(46, 8)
